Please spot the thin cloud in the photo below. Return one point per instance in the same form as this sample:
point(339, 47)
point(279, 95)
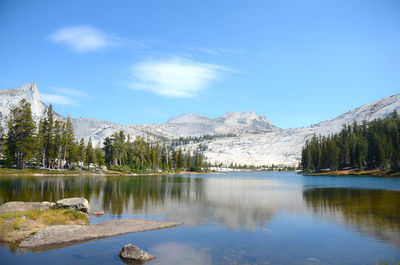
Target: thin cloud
point(176, 77)
point(64, 96)
point(216, 52)
point(57, 99)
point(206, 50)
point(83, 38)
point(71, 92)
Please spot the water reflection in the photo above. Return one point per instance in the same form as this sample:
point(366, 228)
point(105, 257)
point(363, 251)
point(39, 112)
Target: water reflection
point(374, 212)
point(234, 203)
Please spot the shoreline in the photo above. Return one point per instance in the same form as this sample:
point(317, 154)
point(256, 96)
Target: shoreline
point(40, 226)
point(110, 173)
point(353, 172)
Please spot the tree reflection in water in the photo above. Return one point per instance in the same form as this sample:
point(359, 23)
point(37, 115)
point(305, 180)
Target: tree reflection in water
point(374, 212)
point(234, 203)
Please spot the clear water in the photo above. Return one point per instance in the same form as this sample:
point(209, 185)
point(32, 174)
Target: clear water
point(235, 218)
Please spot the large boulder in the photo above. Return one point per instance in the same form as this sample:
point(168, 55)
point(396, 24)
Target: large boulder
point(132, 253)
point(25, 206)
point(79, 204)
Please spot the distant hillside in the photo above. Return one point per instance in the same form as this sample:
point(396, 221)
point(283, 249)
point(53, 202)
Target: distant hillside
point(257, 141)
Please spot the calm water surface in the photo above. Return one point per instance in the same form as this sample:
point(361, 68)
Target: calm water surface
point(236, 218)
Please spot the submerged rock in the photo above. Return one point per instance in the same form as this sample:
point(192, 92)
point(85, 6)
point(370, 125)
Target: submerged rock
point(132, 253)
point(25, 206)
point(80, 204)
point(56, 236)
point(98, 213)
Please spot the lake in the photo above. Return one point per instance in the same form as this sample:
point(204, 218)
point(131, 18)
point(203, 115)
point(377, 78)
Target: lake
point(233, 218)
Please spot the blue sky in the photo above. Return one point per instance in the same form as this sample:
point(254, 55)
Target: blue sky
point(296, 62)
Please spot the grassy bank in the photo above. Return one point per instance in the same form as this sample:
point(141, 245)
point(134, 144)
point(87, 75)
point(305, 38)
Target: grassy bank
point(16, 226)
point(354, 172)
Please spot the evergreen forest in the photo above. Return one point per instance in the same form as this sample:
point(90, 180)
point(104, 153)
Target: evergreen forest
point(52, 145)
point(369, 145)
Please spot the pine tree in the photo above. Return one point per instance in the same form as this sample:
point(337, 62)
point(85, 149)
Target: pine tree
point(198, 161)
point(188, 160)
point(305, 157)
point(333, 154)
point(89, 156)
point(108, 150)
point(316, 153)
point(48, 129)
point(175, 159)
point(73, 154)
point(57, 143)
point(68, 140)
point(82, 151)
point(40, 144)
point(99, 155)
point(360, 153)
point(181, 161)
point(164, 157)
point(20, 137)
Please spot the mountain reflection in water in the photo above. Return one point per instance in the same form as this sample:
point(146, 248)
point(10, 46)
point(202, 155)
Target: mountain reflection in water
point(234, 203)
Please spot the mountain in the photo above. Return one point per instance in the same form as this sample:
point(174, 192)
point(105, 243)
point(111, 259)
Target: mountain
point(11, 97)
point(196, 125)
point(375, 110)
point(98, 130)
point(189, 118)
point(241, 137)
point(284, 146)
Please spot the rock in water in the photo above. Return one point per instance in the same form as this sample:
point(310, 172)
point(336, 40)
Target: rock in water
point(132, 253)
point(56, 236)
point(98, 213)
point(80, 204)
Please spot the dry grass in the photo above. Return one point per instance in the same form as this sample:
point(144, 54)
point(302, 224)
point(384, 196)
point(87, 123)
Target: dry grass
point(16, 226)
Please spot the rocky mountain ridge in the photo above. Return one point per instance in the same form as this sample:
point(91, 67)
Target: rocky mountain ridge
point(11, 97)
point(253, 139)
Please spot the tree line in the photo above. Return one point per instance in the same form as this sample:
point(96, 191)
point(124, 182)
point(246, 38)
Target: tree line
point(142, 154)
point(198, 139)
point(52, 145)
point(369, 145)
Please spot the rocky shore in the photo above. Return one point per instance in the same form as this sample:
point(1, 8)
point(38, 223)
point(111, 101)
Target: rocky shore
point(60, 235)
point(43, 236)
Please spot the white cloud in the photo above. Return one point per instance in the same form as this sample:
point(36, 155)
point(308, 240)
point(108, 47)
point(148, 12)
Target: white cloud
point(174, 77)
point(56, 99)
point(82, 38)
